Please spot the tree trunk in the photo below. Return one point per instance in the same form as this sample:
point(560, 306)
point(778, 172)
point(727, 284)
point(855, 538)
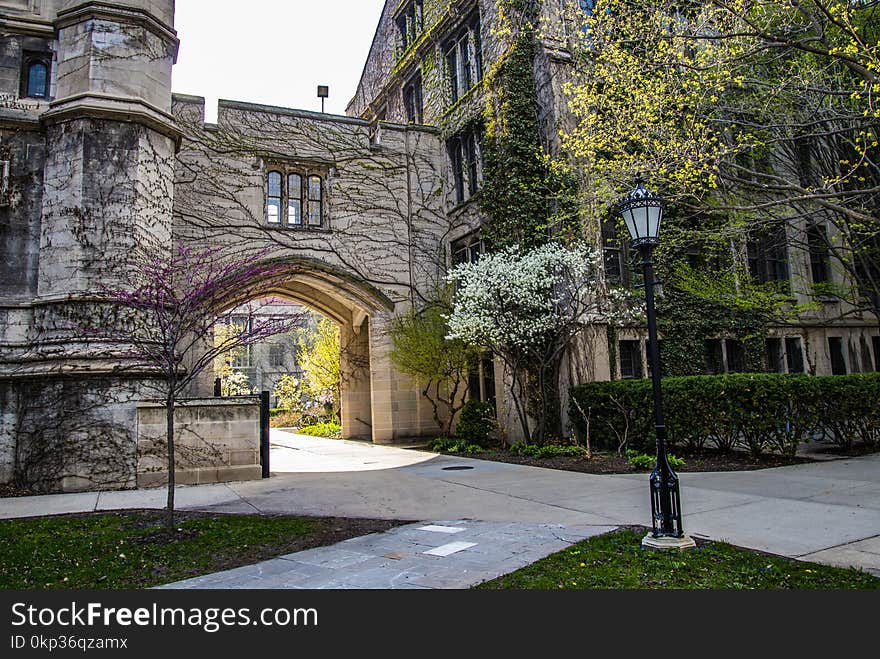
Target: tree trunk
point(169, 417)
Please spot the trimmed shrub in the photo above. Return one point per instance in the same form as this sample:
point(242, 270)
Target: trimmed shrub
point(754, 411)
point(476, 422)
point(547, 451)
point(331, 430)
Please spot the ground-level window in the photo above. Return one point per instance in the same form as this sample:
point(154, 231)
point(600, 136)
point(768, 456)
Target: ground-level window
point(481, 379)
point(714, 357)
point(773, 356)
point(794, 354)
point(835, 352)
point(875, 340)
point(287, 193)
point(736, 356)
point(468, 249)
point(630, 355)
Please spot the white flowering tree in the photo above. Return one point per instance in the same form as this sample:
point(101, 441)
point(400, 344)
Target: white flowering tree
point(528, 307)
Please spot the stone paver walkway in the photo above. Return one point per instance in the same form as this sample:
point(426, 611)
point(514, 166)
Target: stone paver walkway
point(826, 511)
point(446, 554)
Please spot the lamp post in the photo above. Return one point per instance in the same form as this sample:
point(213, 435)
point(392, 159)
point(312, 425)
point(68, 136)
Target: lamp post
point(642, 211)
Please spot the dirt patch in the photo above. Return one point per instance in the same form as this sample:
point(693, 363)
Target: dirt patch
point(610, 463)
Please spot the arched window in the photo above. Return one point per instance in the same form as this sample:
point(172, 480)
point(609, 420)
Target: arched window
point(316, 201)
point(37, 76)
point(273, 197)
point(294, 199)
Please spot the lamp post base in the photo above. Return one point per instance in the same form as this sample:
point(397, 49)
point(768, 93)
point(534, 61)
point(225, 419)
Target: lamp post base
point(684, 542)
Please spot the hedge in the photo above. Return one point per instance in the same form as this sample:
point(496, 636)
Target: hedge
point(755, 411)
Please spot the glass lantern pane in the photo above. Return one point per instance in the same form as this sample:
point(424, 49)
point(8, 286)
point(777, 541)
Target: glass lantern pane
point(655, 214)
point(630, 220)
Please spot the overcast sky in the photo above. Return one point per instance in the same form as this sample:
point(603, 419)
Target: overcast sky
point(274, 52)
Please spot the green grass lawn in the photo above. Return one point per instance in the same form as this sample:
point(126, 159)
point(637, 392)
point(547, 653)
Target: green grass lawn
point(616, 560)
point(130, 550)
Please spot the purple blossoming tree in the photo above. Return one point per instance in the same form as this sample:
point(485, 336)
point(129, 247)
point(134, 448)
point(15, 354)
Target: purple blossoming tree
point(162, 318)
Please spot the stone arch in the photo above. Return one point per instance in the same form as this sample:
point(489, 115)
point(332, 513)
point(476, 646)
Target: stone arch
point(361, 312)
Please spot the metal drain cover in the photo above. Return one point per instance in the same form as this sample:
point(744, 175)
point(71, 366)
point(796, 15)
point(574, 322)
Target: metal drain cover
point(457, 468)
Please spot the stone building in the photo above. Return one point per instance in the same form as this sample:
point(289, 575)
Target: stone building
point(427, 65)
point(366, 212)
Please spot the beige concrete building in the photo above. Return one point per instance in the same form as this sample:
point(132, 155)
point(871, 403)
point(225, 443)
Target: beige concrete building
point(366, 212)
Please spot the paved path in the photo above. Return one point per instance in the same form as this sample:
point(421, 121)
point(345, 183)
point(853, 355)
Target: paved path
point(827, 512)
point(450, 554)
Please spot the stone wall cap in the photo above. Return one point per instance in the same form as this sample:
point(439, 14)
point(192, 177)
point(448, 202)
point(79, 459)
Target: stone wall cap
point(226, 401)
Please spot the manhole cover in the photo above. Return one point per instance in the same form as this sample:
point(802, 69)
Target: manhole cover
point(457, 468)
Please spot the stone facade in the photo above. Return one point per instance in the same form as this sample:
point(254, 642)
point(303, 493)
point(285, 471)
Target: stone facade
point(99, 161)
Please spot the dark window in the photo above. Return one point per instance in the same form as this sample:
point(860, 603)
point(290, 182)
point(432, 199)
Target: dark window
point(835, 350)
point(875, 340)
point(773, 355)
point(474, 380)
point(464, 155)
point(630, 353)
point(817, 237)
point(468, 250)
point(736, 356)
point(464, 59)
point(412, 100)
point(286, 196)
point(768, 256)
point(294, 199)
point(488, 366)
point(803, 151)
point(867, 362)
point(410, 24)
point(714, 357)
point(276, 355)
point(35, 78)
point(794, 355)
point(316, 201)
point(614, 252)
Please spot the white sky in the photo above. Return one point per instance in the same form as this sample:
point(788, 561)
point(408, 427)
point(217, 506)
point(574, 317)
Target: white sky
point(274, 52)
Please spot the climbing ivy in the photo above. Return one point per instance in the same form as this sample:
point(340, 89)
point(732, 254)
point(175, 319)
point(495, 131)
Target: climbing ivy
point(526, 199)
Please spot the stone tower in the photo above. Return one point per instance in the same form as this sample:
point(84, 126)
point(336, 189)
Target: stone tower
point(87, 145)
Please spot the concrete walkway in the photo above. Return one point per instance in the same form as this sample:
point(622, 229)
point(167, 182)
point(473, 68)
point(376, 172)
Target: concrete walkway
point(827, 512)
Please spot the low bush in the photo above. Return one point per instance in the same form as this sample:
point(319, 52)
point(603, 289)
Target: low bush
point(546, 451)
point(331, 430)
point(475, 423)
point(448, 445)
point(755, 411)
point(645, 461)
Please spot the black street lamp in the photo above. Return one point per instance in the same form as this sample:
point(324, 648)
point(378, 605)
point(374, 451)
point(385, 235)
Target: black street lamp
point(642, 210)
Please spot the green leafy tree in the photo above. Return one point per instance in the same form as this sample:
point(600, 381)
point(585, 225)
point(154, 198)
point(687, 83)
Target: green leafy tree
point(318, 356)
point(747, 114)
point(422, 350)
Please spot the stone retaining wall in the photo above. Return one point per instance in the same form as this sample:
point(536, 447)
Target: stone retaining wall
point(217, 440)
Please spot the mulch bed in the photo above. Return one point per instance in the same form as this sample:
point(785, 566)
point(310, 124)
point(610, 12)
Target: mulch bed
point(605, 463)
point(10, 490)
